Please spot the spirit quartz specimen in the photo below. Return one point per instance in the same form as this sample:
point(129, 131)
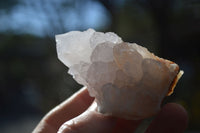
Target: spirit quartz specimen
point(126, 80)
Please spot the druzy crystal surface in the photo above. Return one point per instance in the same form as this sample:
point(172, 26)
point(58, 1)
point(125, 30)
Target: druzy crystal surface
point(126, 80)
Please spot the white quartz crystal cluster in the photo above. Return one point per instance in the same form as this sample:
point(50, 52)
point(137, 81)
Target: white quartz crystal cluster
point(126, 80)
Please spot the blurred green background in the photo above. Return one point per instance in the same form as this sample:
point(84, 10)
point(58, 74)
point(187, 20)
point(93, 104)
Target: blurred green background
point(33, 80)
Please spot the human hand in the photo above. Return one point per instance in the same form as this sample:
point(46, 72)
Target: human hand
point(74, 116)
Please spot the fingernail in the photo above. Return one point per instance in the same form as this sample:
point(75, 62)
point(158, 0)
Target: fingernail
point(66, 127)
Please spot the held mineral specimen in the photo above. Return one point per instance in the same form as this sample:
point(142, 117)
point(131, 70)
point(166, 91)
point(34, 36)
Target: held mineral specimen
point(126, 80)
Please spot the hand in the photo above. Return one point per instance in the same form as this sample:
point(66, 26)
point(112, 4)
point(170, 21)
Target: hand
point(74, 116)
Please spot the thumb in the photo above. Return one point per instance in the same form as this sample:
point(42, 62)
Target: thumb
point(93, 122)
point(88, 122)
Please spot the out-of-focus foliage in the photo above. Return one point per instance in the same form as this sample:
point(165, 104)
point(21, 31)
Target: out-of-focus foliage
point(50, 17)
point(30, 68)
point(8, 4)
point(33, 80)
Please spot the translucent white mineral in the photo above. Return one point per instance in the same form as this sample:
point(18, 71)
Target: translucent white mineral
point(126, 80)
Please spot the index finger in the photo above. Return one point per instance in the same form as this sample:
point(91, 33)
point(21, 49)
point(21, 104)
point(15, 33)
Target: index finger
point(67, 110)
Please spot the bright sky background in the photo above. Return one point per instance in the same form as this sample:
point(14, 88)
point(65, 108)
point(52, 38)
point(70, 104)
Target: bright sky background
point(30, 17)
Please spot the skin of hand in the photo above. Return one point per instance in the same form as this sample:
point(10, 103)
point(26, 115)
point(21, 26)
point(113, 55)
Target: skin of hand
point(78, 115)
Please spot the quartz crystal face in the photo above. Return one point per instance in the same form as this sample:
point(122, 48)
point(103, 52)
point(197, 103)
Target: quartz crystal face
point(126, 80)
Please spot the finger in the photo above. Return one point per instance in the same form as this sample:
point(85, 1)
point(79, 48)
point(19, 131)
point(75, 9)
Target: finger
point(172, 118)
point(93, 122)
point(67, 110)
point(126, 126)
